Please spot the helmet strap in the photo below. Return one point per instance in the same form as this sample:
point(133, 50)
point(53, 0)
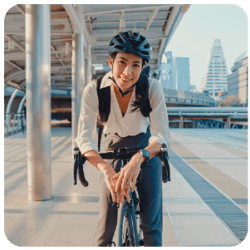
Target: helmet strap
point(121, 92)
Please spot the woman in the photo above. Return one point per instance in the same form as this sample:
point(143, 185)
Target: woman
point(127, 127)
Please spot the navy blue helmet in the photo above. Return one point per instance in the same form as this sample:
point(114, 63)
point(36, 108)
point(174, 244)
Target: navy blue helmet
point(131, 42)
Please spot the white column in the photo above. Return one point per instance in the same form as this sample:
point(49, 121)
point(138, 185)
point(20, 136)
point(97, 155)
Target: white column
point(78, 81)
point(88, 64)
point(38, 94)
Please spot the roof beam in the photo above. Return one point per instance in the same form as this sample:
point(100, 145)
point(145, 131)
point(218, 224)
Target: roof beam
point(14, 65)
point(122, 23)
point(161, 48)
point(123, 8)
point(18, 44)
point(150, 20)
point(20, 8)
point(77, 26)
point(13, 84)
point(54, 49)
point(17, 55)
point(57, 33)
point(129, 21)
point(78, 21)
point(170, 21)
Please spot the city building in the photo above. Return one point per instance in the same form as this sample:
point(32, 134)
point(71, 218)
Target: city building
point(166, 77)
point(175, 72)
point(237, 81)
point(181, 73)
point(214, 80)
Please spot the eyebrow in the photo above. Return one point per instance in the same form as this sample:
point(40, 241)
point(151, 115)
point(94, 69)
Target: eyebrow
point(127, 60)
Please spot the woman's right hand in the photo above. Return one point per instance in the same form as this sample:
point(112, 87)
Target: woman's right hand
point(109, 172)
point(96, 160)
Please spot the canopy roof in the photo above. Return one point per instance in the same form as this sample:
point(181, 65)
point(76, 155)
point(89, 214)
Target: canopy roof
point(99, 23)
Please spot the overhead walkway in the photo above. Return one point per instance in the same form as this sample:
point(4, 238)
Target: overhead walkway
point(205, 204)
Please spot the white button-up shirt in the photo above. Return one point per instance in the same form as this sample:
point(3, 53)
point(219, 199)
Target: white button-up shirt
point(132, 123)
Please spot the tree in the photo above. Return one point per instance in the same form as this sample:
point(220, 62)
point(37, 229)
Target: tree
point(230, 101)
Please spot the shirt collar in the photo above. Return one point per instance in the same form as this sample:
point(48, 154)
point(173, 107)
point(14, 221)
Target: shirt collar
point(106, 81)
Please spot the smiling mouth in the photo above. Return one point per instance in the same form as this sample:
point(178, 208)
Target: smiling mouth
point(125, 80)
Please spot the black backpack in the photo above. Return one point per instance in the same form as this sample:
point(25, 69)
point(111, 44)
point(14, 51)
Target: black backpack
point(103, 94)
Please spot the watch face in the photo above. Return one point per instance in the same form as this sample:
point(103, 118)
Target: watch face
point(146, 153)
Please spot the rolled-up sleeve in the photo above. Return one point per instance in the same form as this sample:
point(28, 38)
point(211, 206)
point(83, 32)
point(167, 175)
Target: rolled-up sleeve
point(86, 139)
point(159, 125)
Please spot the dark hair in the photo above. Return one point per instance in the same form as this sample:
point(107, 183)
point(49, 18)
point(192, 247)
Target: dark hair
point(113, 56)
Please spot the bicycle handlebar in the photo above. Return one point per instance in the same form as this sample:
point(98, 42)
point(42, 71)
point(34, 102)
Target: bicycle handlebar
point(119, 154)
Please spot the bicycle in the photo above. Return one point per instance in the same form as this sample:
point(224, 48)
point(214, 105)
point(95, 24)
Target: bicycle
point(130, 229)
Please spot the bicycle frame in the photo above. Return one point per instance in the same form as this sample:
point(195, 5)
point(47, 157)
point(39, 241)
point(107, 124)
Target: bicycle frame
point(128, 212)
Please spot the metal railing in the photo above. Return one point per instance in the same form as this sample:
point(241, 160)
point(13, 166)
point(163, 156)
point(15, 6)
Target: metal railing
point(14, 123)
point(209, 117)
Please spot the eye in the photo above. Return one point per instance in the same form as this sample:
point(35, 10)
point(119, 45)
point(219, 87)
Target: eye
point(136, 65)
point(122, 62)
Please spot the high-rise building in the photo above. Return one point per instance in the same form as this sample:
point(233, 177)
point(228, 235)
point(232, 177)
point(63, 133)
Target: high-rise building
point(214, 80)
point(175, 73)
point(181, 73)
point(166, 77)
point(237, 81)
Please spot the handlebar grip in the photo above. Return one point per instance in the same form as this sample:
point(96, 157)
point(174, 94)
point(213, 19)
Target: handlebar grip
point(79, 160)
point(165, 165)
point(81, 172)
point(165, 170)
point(75, 171)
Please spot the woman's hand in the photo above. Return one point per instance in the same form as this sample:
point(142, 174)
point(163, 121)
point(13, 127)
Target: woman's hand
point(109, 172)
point(128, 174)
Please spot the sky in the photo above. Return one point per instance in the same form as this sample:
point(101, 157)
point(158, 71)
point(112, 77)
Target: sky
point(199, 26)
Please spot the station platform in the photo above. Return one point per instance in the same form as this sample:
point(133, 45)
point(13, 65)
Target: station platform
point(204, 204)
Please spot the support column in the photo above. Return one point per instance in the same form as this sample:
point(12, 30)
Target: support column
point(78, 80)
point(38, 94)
point(88, 65)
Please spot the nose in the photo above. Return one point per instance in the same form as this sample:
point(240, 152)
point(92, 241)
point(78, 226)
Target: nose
point(128, 70)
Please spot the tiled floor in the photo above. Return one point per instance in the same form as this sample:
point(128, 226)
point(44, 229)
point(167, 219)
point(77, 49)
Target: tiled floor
point(69, 218)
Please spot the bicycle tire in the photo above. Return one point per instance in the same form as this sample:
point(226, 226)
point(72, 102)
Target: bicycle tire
point(127, 227)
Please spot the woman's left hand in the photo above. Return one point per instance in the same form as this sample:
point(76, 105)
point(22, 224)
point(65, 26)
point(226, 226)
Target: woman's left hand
point(128, 174)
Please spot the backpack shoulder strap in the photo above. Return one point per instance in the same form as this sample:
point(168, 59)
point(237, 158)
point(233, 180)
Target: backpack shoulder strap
point(145, 109)
point(104, 100)
point(104, 107)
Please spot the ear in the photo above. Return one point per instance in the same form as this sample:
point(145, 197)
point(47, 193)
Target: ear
point(110, 61)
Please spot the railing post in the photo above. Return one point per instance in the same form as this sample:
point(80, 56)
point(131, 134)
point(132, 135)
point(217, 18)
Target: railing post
point(181, 122)
point(228, 122)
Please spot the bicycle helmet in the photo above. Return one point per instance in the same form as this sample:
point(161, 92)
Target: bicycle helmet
point(131, 42)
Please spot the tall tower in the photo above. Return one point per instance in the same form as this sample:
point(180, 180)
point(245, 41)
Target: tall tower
point(166, 77)
point(181, 74)
point(214, 80)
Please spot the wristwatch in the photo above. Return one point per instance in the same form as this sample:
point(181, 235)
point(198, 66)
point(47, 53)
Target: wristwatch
point(145, 153)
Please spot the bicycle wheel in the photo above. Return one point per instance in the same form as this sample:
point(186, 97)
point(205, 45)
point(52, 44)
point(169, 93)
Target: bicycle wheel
point(128, 228)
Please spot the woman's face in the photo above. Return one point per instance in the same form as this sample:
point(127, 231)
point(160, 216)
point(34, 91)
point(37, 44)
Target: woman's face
point(126, 69)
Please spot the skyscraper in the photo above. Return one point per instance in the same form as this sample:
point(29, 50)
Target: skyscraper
point(175, 73)
point(166, 77)
point(181, 73)
point(215, 78)
point(237, 80)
